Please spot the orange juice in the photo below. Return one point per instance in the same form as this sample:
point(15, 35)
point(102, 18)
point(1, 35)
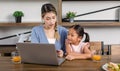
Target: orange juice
point(96, 57)
point(16, 59)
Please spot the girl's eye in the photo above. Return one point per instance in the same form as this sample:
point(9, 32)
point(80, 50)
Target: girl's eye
point(68, 34)
point(72, 35)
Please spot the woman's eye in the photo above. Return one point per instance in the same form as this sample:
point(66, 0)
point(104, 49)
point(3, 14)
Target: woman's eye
point(53, 17)
point(47, 18)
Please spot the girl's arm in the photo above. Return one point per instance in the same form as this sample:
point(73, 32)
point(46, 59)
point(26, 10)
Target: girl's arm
point(85, 55)
point(68, 49)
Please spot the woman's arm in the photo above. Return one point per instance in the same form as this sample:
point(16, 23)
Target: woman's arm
point(34, 38)
point(63, 37)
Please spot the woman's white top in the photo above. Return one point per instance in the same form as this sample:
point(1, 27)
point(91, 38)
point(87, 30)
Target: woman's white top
point(51, 40)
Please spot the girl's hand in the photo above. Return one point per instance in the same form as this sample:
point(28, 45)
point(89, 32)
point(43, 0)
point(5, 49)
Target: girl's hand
point(60, 53)
point(70, 57)
point(67, 43)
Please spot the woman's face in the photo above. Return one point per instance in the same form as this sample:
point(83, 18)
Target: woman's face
point(50, 19)
point(73, 37)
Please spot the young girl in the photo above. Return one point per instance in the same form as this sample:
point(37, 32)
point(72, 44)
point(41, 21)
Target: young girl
point(75, 47)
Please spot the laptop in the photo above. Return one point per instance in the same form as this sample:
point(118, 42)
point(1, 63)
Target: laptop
point(39, 53)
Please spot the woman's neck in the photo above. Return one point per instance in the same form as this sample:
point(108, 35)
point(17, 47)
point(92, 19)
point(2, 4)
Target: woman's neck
point(48, 28)
point(49, 32)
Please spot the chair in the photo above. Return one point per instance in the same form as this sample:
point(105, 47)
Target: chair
point(115, 52)
point(107, 49)
point(97, 45)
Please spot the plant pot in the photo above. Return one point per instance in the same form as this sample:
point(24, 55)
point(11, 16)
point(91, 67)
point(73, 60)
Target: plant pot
point(18, 19)
point(71, 20)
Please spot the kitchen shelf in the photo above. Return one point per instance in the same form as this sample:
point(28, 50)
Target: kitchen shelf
point(90, 0)
point(93, 24)
point(65, 24)
point(29, 24)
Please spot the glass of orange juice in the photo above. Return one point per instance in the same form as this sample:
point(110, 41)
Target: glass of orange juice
point(16, 57)
point(97, 56)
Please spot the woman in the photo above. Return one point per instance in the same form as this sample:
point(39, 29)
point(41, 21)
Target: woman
point(50, 32)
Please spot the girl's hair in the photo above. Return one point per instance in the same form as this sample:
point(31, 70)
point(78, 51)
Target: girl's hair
point(47, 8)
point(80, 31)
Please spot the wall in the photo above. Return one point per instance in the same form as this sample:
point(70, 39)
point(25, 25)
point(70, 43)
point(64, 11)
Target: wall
point(32, 13)
point(110, 35)
point(31, 8)
point(81, 7)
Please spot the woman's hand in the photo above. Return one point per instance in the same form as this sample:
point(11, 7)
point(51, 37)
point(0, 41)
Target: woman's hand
point(60, 53)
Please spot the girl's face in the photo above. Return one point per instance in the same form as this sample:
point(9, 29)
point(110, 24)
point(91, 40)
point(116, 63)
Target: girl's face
point(73, 37)
point(50, 19)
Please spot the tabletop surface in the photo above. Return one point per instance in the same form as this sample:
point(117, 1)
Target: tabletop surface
point(74, 65)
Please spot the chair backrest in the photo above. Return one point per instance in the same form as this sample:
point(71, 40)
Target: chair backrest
point(107, 49)
point(97, 45)
point(115, 50)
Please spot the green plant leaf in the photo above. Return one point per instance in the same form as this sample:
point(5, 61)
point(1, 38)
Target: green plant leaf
point(70, 14)
point(18, 14)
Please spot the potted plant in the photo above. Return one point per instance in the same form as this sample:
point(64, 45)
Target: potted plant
point(18, 16)
point(70, 15)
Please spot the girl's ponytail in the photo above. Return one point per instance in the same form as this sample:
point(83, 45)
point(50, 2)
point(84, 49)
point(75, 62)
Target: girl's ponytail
point(87, 38)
